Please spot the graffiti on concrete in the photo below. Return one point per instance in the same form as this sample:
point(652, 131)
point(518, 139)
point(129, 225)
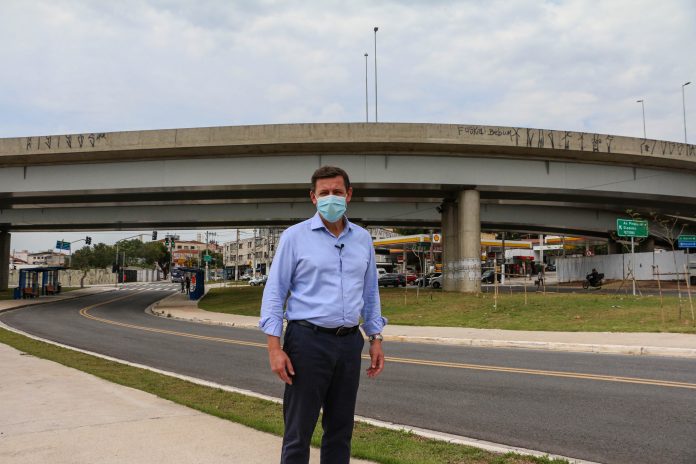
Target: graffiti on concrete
point(48, 142)
point(577, 141)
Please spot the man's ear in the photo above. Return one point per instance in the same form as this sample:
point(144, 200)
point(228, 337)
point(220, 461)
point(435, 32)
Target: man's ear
point(349, 194)
point(313, 197)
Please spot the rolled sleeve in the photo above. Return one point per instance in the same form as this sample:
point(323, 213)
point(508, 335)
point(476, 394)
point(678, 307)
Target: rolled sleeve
point(373, 322)
point(275, 291)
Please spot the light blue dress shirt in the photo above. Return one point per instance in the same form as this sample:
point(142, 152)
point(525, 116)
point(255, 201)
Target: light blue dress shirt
point(332, 281)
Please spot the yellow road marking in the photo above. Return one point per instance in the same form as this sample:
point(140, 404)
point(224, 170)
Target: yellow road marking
point(84, 312)
point(453, 365)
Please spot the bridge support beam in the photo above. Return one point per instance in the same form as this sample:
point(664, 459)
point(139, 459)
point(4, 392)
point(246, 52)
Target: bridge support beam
point(468, 266)
point(450, 245)
point(4, 260)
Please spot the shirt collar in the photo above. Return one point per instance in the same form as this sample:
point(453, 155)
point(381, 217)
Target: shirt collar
point(317, 223)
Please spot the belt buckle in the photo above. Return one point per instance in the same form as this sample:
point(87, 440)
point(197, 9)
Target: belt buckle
point(342, 331)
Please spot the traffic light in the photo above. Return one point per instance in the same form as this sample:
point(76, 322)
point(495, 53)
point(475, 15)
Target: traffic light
point(154, 235)
point(88, 240)
point(166, 242)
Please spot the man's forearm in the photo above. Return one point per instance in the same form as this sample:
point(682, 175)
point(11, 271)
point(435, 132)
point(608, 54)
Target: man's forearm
point(273, 342)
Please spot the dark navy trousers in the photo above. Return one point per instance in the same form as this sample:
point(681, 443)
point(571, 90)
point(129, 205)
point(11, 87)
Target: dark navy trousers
point(327, 375)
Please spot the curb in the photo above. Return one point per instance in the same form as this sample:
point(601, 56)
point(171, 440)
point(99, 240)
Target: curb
point(632, 350)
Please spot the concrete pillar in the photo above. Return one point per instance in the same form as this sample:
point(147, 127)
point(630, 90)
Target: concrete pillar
point(4, 260)
point(450, 245)
point(468, 266)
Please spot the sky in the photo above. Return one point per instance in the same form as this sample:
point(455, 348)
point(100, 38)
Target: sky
point(71, 66)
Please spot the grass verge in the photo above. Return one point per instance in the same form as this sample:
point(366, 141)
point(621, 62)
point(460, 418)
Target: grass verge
point(572, 312)
point(369, 442)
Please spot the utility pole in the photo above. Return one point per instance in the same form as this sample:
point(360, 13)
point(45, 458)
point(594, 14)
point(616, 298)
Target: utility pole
point(236, 259)
point(367, 117)
point(253, 256)
point(376, 29)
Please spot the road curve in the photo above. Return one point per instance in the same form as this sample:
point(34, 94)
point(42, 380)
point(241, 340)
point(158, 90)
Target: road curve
point(612, 409)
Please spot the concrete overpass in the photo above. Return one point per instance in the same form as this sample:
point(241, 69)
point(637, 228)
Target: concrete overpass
point(498, 178)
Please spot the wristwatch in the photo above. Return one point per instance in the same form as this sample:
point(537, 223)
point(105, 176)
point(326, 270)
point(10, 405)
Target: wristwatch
point(374, 337)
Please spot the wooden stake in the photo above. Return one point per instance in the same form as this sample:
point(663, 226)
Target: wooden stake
point(688, 289)
point(525, 293)
point(659, 286)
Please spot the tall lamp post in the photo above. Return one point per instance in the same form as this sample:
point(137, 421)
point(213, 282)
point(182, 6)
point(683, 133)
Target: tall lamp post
point(642, 103)
point(367, 118)
point(684, 109)
point(376, 29)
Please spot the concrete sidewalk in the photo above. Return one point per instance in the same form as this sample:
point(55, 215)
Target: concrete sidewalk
point(650, 344)
point(52, 413)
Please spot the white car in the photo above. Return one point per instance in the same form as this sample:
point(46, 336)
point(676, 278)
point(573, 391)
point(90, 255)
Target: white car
point(256, 281)
point(436, 282)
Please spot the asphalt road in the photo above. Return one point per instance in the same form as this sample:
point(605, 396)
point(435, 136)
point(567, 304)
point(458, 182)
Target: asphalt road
point(571, 404)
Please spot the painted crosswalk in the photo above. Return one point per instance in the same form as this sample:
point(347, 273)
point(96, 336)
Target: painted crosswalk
point(151, 286)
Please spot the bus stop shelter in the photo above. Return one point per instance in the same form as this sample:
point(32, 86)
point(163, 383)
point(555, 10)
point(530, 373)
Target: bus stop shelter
point(37, 281)
point(197, 277)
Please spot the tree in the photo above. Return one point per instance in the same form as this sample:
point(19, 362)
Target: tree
point(156, 253)
point(669, 228)
point(216, 258)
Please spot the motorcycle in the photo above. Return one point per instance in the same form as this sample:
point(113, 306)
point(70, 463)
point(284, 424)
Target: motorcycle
point(590, 282)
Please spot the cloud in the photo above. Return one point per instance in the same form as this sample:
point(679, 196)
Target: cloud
point(81, 66)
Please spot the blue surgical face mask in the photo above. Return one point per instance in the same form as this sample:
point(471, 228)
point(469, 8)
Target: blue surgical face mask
point(331, 207)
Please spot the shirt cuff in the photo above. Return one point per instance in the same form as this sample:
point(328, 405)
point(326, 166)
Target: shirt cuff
point(374, 326)
point(271, 326)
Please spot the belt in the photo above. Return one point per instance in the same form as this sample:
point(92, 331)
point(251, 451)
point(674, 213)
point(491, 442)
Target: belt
point(338, 331)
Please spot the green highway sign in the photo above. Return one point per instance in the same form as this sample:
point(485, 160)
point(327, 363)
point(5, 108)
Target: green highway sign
point(207, 258)
point(631, 228)
point(687, 241)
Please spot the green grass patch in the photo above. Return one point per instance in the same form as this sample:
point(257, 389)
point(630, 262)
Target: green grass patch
point(574, 312)
point(369, 442)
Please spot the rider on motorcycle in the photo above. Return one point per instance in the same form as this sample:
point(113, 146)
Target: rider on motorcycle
point(593, 277)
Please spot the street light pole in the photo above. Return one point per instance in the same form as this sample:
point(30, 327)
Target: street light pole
point(367, 118)
point(642, 103)
point(376, 29)
point(684, 109)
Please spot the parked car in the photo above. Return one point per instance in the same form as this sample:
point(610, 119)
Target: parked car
point(258, 281)
point(245, 277)
point(551, 268)
point(411, 279)
point(425, 280)
point(436, 282)
point(392, 280)
point(487, 276)
point(381, 271)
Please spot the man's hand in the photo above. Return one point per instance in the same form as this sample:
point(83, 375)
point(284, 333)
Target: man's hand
point(376, 359)
point(279, 360)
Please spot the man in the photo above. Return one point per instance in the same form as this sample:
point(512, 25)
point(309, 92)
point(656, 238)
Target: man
point(325, 267)
point(188, 284)
point(593, 277)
